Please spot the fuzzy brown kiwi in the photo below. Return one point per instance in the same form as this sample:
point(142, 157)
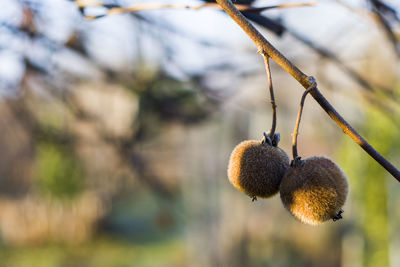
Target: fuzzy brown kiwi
point(257, 168)
point(314, 190)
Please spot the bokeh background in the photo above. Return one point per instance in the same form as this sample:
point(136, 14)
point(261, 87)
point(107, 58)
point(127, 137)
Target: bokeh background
point(115, 134)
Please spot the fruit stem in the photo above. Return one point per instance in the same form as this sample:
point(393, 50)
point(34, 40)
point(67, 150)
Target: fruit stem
point(296, 126)
point(271, 92)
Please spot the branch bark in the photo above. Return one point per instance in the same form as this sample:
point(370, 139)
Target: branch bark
point(267, 49)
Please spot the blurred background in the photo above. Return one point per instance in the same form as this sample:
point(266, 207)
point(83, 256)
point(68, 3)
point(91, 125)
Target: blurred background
point(115, 133)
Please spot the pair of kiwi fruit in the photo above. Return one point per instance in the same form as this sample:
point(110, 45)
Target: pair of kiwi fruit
point(312, 190)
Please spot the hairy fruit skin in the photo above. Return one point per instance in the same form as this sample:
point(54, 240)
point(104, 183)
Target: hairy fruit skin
point(315, 190)
point(257, 169)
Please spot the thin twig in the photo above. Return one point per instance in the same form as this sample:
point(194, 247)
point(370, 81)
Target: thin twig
point(271, 92)
point(376, 15)
point(115, 9)
point(381, 13)
point(260, 9)
point(296, 126)
point(265, 48)
point(386, 27)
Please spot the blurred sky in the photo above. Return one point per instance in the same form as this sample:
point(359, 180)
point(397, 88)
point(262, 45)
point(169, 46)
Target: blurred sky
point(113, 40)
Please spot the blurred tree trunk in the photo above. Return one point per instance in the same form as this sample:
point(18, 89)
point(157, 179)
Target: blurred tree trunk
point(376, 223)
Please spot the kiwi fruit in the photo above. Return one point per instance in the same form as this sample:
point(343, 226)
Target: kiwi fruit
point(314, 190)
point(257, 168)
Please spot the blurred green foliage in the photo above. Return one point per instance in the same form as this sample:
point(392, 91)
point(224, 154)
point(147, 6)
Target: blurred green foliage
point(58, 172)
point(163, 99)
point(101, 252)
point(368, 184)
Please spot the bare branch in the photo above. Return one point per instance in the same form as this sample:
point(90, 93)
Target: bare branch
point(115, 9)
point(380, 13)
point(384, 23)
point(260, 9)
point(265, 48)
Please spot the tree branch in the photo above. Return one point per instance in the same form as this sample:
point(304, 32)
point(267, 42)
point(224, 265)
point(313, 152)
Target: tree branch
point(376, 7)
point(266, 49)
point(116, 9)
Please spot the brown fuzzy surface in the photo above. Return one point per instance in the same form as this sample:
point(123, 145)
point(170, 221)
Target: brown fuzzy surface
point(257, 169)
point(315, 191)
